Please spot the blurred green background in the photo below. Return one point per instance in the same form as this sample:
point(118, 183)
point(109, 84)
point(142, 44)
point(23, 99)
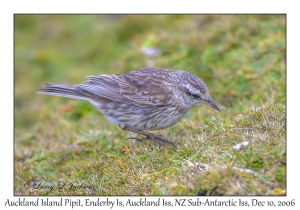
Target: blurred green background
point(233, 54)
point(241, 58)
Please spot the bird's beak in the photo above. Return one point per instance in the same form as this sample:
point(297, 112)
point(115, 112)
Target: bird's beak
point(212, 104)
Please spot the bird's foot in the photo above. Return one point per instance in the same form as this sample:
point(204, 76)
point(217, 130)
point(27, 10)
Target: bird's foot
point(150, 136)
point(138, 139)
point(158, 139)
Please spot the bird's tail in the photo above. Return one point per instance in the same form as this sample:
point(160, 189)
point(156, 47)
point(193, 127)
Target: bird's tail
point(63, 91)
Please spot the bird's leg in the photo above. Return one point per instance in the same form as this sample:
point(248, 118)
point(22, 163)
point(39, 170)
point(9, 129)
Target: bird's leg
point(147, 135)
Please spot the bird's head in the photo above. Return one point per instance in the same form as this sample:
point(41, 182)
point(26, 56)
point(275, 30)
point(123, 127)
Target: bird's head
point(194, 92)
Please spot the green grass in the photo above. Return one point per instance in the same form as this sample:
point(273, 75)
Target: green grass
point(241, 58)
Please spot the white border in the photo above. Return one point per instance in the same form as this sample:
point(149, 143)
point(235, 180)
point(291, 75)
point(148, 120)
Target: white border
point(8, 8)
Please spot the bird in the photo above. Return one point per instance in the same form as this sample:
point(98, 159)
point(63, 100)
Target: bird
point(144, 99)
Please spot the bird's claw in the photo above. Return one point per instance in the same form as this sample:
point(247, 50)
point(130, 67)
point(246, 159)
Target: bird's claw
point(158, 139)
point(138, 139)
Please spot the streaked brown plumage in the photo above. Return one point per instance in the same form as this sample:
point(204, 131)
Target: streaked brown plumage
point(145, 99)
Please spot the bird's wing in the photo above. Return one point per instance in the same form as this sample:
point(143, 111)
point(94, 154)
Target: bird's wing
point(142, 90)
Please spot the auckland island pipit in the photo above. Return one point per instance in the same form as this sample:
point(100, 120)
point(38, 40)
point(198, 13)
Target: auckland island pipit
point(145, 99)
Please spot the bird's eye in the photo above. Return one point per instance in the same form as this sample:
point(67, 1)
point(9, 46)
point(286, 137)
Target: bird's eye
point(195, 96)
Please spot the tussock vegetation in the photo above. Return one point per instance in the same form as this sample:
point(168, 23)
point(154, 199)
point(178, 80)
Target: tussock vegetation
point(240, 151)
